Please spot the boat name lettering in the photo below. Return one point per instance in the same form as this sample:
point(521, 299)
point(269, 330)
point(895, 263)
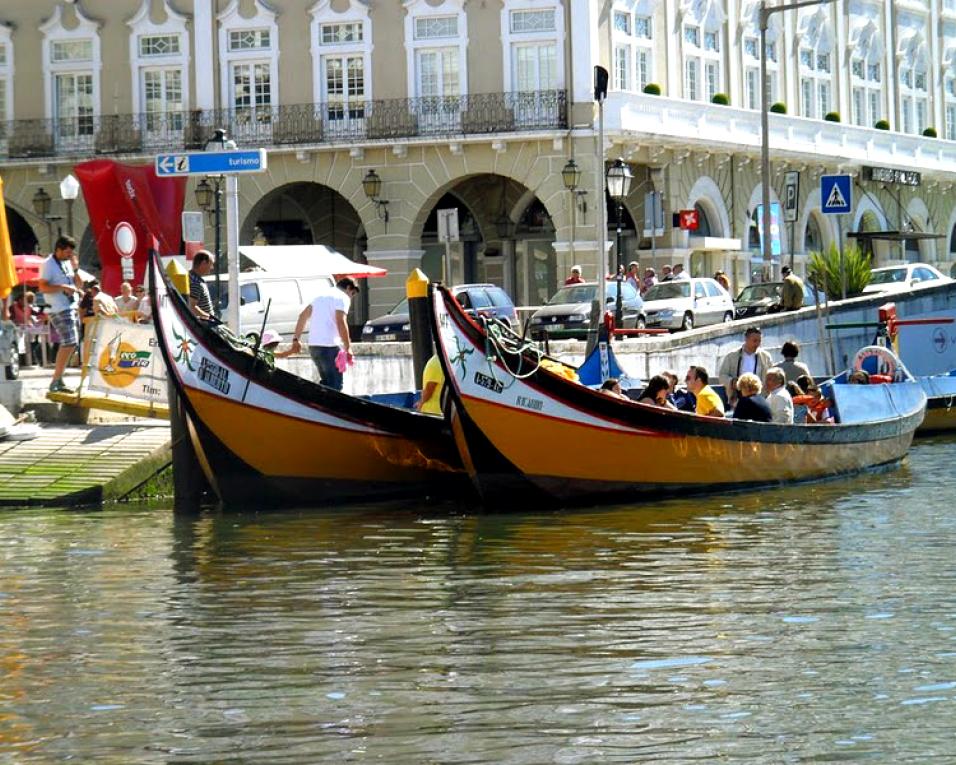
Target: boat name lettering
point(214, 375)
point(530, 403)
point(488, 382)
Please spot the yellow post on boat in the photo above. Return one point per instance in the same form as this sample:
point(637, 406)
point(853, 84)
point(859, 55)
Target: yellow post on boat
point(178, 276)
point(416, 289)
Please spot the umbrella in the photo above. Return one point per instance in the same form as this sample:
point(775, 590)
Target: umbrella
point(8, 276)
point(29, 268)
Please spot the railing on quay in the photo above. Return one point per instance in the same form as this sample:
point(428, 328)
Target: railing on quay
point(299, 124)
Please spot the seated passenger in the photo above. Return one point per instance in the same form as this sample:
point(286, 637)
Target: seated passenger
point(656, 392)
point(781, 405)
point(681, 398)
point(708, 402)
point(612, 387)
point(750, 404)
point(859, 377)
point(818, 408)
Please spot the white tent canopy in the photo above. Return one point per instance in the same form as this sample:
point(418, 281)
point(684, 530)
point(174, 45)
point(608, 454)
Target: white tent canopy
point(305, 260)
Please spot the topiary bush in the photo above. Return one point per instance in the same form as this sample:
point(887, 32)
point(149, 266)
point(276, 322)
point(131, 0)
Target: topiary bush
point(823, 270)
point(652, 89)
point(779, 108)
point(882, 125)
point(721, 98)
point(832, 116)
point(930, 132)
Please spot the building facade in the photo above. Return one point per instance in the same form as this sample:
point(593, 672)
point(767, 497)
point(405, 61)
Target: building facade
point(480, 106)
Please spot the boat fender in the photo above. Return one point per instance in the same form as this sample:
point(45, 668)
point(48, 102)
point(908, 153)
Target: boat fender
point(879, 379)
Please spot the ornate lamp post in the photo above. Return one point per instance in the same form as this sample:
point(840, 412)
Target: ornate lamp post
point(42, 203)
point(618, 185)
point(210, 194)
point(69, 190)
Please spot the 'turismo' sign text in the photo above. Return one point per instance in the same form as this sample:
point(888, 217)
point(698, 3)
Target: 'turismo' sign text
point(889, 175)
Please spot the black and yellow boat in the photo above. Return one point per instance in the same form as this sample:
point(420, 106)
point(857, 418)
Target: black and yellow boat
point(266, 437)
point(526, 432)
point(940, 404)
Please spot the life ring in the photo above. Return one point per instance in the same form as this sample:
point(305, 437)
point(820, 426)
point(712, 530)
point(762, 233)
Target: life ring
point(877, 360)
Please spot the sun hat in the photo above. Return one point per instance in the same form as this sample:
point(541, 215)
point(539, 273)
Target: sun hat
point(269, 337)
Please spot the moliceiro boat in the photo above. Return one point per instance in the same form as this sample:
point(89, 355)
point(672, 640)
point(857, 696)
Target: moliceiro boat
point(940, 403)
point(266, 437)
point(527, 432)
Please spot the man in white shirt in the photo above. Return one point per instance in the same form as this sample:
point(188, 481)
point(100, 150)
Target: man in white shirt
point(750, 357)
point(328, 329)
point(679, 274)
point(781, 405)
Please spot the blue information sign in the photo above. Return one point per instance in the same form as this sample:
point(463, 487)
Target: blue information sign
point(211, 163)
point(836, 194)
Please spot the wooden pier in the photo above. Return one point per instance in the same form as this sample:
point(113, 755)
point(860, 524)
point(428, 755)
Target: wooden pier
point(71, 465)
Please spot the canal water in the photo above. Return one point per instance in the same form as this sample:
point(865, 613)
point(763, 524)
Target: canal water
point(815, 623)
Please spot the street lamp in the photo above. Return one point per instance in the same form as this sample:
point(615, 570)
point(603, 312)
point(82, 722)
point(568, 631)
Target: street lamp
point(571, 175)
point(204, 192)
point(372, 185)
point(69, 190)
point(42, 202)
point(764, 22)
point(618, 185)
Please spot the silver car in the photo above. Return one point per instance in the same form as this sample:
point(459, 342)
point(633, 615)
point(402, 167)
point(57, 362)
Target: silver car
point(568, 312)
point(687, 303)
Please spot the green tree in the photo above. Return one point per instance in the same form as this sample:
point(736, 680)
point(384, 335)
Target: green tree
point(823, 270)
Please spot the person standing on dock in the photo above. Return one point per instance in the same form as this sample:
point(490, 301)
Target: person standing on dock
point(327, 316)
point(199, 300)
point(61, 285)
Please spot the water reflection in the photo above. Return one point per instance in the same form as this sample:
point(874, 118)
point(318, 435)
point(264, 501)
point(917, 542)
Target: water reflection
point(803, 623)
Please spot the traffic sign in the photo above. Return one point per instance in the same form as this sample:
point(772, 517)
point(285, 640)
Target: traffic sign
point(836, 194)
point(689, 220)
point(211, 163)
point(791, 196)
point(448, 225)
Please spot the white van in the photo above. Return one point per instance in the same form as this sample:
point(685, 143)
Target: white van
point(289, 295)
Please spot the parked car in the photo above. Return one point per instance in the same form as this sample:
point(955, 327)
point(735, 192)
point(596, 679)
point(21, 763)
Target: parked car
point(288, 295)
point(687, 303)
point(765, 297)
point(481, 299)
point(570, 309)
point(901, 278)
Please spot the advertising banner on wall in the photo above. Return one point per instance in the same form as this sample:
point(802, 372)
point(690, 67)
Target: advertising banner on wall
point(125, 361)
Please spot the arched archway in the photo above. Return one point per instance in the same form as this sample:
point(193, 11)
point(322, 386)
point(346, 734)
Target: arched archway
point(304, 212)
point(506, 236)
point(22, 238)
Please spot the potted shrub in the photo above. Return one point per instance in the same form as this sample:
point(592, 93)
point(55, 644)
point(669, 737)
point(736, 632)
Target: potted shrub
point(720, 98)
point(882, 125)
point(779, 108)
point(930, 132)
point(823, 270)
point(652, 89)
point(832, 116)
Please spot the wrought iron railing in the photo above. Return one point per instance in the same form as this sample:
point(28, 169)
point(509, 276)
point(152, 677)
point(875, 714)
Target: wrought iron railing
point(333, 122)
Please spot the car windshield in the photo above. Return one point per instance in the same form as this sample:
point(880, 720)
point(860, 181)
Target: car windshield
point(756, 292)
point(668, 291)
point(888, 276)
point(401, 308)
point(576, 293)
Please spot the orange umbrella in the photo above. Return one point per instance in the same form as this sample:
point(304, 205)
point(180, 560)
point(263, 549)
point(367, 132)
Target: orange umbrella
point(8, 276)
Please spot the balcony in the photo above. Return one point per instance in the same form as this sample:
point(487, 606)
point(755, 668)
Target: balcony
point(302, 124)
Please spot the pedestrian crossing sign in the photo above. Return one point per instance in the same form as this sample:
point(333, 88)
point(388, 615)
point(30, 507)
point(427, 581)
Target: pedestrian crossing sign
point(836, 194)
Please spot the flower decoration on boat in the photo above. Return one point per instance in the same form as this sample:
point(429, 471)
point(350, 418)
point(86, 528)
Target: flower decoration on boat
point(184, 349)
point(458, 358)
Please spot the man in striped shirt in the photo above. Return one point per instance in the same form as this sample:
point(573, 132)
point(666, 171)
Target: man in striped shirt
point(199, 299)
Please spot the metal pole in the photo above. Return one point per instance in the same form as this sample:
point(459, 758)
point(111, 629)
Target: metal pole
point(446, 266)
point(602, 213)
point(619, 307)
point(232, 246)
point(764, 17)
point(69, 216)
point(842, 261)
point(218, 217)
point(653, 228)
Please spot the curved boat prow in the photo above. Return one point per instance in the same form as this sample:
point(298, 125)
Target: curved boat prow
point(269, 437)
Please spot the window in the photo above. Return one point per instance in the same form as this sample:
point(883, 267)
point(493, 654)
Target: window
point(703, 65)
point(341, 50)
point(633, 46)
point(439, 28)
point(949, 108)
point(533, 51)
point(914, 96)
point(435, 42)
point(6, 80)
point(249, 69)
point(71, 63)
point(160, 62)
point(815, 62)
point(750, 54)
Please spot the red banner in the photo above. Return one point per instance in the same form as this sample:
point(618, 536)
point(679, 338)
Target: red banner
point(133, 194)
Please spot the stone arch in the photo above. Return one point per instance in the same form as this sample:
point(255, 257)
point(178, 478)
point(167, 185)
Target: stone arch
point(22, 237)
point(867, 205)
point(917, 215)
point(812, 209)
point(706, 193)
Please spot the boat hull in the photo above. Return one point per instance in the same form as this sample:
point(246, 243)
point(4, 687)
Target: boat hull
point(265, 437)
point(553, 439)
point(940, 405)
